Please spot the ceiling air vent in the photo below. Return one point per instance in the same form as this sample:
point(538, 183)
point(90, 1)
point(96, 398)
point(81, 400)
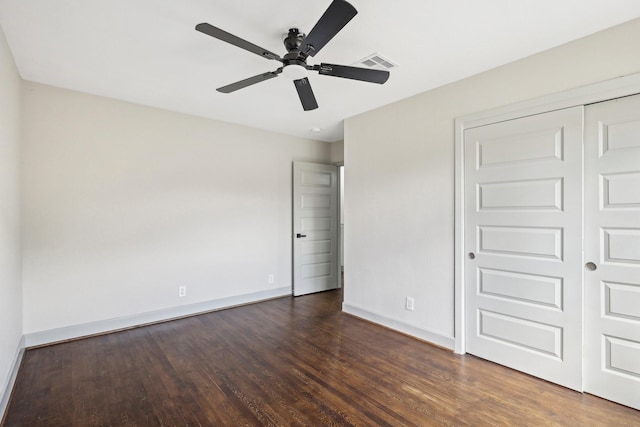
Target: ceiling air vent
point(376, 61)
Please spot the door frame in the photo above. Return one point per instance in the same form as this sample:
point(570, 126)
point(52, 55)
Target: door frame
point(597, 92)
point(340, 166)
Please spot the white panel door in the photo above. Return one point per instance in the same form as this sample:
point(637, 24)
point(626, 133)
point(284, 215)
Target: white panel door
point(612, 245)
point(523, 236)
point(315, 228)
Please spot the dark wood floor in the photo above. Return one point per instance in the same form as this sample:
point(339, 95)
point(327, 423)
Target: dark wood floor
point(284, 362)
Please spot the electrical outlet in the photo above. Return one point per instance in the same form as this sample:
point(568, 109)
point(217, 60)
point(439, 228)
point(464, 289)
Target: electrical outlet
point(410, 304)
point(270, 279)
point(182, 291)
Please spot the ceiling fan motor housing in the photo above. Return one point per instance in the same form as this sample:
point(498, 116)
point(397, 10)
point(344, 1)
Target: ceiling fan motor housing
point(293, 40)
point(295, 65)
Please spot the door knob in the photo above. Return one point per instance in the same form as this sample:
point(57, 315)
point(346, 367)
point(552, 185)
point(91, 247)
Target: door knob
point(472, 255)
point(298, 236)
point(591, 266)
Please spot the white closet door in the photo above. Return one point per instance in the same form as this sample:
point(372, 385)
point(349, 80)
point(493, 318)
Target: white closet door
point(612, 245)
point(523, 234)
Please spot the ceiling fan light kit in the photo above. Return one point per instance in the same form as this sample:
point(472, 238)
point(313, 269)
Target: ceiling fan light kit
point(295, 71)
point(299, 47)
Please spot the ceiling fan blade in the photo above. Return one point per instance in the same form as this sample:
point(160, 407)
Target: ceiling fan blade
point(334, 19)
point(250, 81)
point(306, 95)
point(354, 73)
point(219, 34)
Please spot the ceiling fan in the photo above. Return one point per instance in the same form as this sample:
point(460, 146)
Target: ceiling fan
point(299, 48)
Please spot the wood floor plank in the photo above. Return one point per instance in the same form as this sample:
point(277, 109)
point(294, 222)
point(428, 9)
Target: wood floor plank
point(285, 362)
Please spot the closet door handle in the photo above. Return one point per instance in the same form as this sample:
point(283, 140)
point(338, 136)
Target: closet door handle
point(298, 236)
point(591, 266)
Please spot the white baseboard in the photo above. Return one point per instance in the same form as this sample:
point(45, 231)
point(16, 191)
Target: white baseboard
point(420, 333)
point(7, 388)
point(109, 325)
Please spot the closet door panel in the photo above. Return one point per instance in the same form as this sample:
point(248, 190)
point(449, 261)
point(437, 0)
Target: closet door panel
point(612, 250)
point(523, 213)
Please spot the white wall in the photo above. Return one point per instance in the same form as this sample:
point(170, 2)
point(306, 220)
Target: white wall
point(337, 152)
point(124, 203)
point(10, 289)
point(399, 203)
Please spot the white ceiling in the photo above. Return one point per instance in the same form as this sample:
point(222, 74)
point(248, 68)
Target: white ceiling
point(147, 51)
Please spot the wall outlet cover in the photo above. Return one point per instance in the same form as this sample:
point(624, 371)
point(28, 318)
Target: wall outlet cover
point(410, 304)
